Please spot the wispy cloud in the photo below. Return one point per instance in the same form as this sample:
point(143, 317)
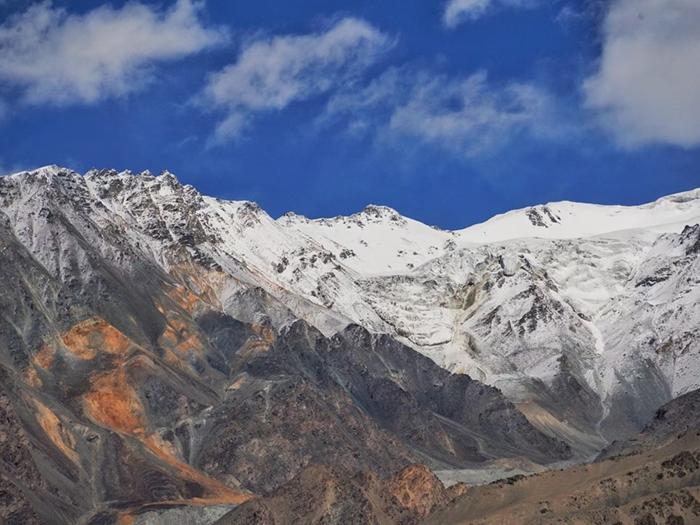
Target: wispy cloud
point(272, 73)
point(647, 86)
point(9, 169)
point(466, 116)
point(59, 58)
point(460, 11)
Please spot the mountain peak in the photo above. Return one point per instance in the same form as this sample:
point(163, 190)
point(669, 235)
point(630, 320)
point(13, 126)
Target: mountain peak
point(570, 220)
point(168, 178)
point(375, 213)
point(145, 175)
point(44, 171)
point(680, 198)
point(371, 213)
point(379, 211)
point(291, 217)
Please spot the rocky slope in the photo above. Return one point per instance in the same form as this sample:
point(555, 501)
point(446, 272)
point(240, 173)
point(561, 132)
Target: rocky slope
point(654, 480)
point(583, 315)
point(656, 484)
point(151, 357)
point(673, 420)
point(328, 496)
point(159, 347)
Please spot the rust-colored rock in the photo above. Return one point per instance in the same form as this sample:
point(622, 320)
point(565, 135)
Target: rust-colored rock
point(332, 496)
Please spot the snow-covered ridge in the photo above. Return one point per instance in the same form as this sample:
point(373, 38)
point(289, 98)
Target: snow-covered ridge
point(569, 220)
point(570, 308)
point(556, 220)
point(384, 242)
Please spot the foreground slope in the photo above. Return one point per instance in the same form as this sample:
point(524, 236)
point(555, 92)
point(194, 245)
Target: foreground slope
point(651, 479)
point(328, 496)
point(661, 487)
point(654, 479)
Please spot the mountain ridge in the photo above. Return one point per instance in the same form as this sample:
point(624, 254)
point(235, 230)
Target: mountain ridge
point(378, 211)
point(153, 355)
point(543, 319)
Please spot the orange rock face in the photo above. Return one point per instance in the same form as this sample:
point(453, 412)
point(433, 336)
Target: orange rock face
point(114, 404)
point(55, 430)
point(112, 400)
point(87, 339)
point(418, 489)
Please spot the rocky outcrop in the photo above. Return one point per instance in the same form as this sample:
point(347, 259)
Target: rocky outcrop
point(355, 401)
point(330, 496)
point(660, 486)
point(673, 420)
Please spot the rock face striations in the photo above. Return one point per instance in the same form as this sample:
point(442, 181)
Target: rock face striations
point(160, 348)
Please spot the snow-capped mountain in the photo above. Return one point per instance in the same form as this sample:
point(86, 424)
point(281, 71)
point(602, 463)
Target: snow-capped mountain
point(160, 349)
point(594, 305)
point(585, 316)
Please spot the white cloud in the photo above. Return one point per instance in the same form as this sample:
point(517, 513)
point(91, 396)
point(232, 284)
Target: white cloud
point(272, 73)
point(570, 16)
point(466, 116)
point(647, 87)
point(459, 11)
point(60, 58)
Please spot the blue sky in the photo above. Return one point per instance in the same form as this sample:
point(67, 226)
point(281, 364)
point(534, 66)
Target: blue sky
point(449, 111)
